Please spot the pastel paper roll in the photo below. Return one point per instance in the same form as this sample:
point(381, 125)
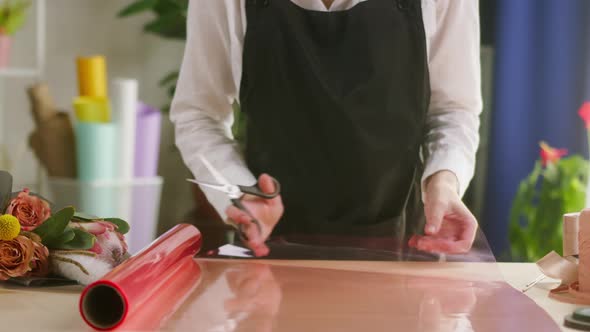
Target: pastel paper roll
point(96, 147)
point(92, 76)
point(147, 140)
point(124, 111)
point(92, 109)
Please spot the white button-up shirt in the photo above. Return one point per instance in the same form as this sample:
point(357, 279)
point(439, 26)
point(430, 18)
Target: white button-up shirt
point(212, 68)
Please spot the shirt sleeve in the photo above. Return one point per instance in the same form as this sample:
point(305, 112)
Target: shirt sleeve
point(455, 78)
point(202, 106)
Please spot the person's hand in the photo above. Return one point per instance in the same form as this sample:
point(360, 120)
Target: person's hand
point(266, 211)
point(450, 226)
point(257, 294)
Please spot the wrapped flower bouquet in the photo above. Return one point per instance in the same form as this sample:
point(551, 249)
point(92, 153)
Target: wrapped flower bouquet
point(40, 245)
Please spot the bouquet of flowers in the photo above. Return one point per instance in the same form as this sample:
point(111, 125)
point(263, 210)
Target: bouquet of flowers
point(39, 244)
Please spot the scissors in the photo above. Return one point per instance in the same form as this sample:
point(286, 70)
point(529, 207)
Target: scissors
point(235, 192)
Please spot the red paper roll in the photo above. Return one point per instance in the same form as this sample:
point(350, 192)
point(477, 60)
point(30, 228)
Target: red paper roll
point(156, 280)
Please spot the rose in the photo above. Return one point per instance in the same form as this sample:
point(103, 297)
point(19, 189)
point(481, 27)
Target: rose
point(15, 257)
point(110, 245)
point(31, 211)
point(40, 261)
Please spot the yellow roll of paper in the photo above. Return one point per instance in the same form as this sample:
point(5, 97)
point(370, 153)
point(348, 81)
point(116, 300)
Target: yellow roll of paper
point(92, 109)
point(92, 76)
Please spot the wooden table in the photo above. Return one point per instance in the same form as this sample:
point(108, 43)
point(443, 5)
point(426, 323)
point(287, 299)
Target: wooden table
point(55, 309)
point(520, 274)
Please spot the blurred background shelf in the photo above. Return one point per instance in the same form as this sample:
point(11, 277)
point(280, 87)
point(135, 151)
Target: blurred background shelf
point(29, 66)
point(20, 72)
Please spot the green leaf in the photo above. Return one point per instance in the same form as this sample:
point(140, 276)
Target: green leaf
point(67, 236)
point(53, 228)
point(165, 108)
point(167, 6)
point(170, 25)
point(122, 225)
point(13, 15)
point(85, 217)
point(172, 77)
point(81, 241)
point(137, 7)
point(172, 91)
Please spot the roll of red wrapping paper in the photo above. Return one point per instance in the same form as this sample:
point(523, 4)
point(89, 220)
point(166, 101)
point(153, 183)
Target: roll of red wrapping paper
point(142, 282)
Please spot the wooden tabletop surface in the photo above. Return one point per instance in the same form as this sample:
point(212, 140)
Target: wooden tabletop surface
point(55, 309)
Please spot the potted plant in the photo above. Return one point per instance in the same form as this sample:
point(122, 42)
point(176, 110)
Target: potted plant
point(557, 185)
point(12, 18)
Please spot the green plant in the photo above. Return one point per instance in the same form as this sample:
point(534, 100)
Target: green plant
point(555, 186)
point(169, 21)
point(12, 15)
point(551, 190)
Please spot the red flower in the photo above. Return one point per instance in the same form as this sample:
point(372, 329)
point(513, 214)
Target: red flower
point(584, 113)
point(550, 155)
point(31, 211)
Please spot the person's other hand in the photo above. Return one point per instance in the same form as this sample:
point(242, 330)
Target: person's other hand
point(266, 211)
point(450, 226)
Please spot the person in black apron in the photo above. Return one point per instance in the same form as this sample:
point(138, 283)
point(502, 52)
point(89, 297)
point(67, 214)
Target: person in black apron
point(336, 105)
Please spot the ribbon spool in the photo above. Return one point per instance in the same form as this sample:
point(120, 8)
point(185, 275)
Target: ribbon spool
point(576, 240)
point(584, 251)
point(570, 234)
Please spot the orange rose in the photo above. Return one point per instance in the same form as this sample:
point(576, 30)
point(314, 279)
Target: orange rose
point(31, 211)
point(15, 257)
point(40, 261)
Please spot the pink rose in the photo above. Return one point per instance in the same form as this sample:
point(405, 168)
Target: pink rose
point(110, 245)
point(31, 211)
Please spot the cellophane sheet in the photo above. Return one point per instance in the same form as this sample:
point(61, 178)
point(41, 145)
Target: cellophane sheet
point(343, 284)
point(338, 284)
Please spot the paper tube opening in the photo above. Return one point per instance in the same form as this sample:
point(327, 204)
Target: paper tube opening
point(103, 307)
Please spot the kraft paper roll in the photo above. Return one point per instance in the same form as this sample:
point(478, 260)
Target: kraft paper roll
point(584, 245)
point(96, 151)
point(147, 140)
point(55, 146)
point(124, 113)
point(570, 234)
point(142, 283)
point(42, 104)
point(92, 76)
point(92, 109)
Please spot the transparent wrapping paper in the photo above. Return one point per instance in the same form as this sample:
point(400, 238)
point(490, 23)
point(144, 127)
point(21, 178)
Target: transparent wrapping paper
point(337, 284)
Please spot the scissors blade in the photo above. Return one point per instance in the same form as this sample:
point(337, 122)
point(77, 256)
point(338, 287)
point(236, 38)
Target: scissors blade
point(218, 187)
point(218, 177)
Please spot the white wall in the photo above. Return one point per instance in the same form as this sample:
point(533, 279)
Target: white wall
point(87, 27)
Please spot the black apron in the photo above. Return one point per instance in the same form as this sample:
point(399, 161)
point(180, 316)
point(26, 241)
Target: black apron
point(336, 105)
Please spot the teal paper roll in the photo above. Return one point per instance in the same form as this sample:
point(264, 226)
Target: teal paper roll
point(96, 151)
